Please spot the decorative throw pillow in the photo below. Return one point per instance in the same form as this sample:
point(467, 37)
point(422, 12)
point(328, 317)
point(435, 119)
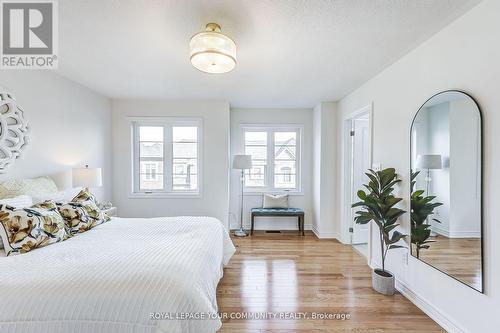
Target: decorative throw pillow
point(275, 201)
point(82, 213)
point(26, 229)
point(84, 195)
point(16, 202)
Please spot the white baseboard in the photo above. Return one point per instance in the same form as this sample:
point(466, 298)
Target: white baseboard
point(344, 240)
point(456, 234)
point(428, 308)
point(324, 235)
point(424, 305)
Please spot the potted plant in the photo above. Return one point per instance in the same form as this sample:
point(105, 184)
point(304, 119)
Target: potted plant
point(421, 207)
point(378, 205)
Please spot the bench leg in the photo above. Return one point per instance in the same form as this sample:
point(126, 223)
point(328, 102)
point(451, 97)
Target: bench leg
point(251, 228)
point(302, 224)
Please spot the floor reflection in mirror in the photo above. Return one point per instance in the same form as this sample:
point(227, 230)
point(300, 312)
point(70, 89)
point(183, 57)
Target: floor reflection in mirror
point(458, 257)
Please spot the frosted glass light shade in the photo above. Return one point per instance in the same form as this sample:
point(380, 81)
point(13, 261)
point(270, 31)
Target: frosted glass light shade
point(429, 162)
point(212, 51)
point(87, 177)
point(242, 162)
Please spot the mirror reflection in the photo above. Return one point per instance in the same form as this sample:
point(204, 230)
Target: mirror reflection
point(446, 186)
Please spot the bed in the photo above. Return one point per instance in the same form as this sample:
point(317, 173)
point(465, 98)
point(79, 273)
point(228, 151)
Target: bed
point(126, 275)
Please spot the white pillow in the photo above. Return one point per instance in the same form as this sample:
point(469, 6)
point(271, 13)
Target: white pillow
point(65, 196)
point(20, 201)
point(12, 188)
point(275, 201)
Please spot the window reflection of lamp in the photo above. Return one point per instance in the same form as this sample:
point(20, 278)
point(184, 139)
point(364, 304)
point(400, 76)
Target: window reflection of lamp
point(429, 162)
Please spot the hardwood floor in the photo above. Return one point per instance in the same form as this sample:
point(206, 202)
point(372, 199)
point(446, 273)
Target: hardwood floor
point(287, 273)
point(458, 257)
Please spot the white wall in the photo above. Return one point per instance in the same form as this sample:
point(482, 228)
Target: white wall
point(464, 56)
point(438, 143)
point(317, 153)
point(325, 189)
point(70, 126)
point(215, 159)
point(465, 170)
point(268, 117)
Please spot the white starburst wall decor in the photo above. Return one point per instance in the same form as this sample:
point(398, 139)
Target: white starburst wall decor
point(14, 130)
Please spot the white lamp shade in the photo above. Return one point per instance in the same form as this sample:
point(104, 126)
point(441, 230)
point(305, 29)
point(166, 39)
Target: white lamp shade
point(87, 177)
point(242, 162)
point(429, 162)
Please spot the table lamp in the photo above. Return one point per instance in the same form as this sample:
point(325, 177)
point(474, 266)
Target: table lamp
point(87, 177)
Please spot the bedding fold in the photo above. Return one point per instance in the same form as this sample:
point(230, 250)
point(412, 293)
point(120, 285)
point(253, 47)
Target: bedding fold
point(120, 276)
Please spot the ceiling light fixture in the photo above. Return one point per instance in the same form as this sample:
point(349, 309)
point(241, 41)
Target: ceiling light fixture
point(212, 51)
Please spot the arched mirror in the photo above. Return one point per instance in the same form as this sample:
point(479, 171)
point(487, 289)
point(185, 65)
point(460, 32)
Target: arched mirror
point(446, 186)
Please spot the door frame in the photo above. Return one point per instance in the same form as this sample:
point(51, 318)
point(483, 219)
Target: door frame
point(346, 165)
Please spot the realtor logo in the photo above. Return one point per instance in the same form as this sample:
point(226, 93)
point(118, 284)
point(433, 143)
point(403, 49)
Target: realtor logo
point(29, 34)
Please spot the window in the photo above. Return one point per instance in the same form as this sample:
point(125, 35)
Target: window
point(185, 158)
point(150, 153)
point(275, 158)
point(256, 145)
point(166, 156)
point(285, 160)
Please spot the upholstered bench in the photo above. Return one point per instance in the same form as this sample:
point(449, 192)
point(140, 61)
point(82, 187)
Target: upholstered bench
point(299, 213)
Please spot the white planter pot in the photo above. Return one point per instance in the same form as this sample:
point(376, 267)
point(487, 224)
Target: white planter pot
point(383, 282)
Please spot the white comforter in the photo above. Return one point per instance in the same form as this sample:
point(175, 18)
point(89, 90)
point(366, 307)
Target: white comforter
point(115, 276)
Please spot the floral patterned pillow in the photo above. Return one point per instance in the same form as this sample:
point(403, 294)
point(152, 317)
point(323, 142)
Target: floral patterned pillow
point(82, 213)
point(26, 229)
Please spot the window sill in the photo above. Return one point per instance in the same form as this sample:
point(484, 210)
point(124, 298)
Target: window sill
point(260, 193)
point(164, 195)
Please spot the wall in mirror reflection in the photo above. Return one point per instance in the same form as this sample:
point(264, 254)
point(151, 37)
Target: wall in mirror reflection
point(446, 157)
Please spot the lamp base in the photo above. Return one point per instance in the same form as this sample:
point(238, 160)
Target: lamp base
point(240, 233)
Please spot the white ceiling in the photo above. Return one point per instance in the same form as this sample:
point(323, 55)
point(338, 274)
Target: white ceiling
point(291, 53)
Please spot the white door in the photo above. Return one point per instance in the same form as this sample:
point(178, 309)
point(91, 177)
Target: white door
point(360, 164)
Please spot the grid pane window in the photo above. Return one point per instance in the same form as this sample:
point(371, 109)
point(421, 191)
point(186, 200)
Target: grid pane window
point(285, 158)
point(275, 158)
point(185, 158)
point(166, 158)
point(256, 145)
point(151, 157)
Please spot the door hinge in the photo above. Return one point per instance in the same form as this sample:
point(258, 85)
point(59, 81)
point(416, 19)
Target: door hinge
point(351, 230)
point(352, 133)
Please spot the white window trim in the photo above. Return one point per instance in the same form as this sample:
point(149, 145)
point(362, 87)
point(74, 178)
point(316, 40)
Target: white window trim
point(167, 155)
point(299, 128)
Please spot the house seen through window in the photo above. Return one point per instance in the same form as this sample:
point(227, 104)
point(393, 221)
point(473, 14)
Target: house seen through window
point(275, 158)
point(166, 156)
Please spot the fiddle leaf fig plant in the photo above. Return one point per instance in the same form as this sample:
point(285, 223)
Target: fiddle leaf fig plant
point(378, 205)
point(421, 208)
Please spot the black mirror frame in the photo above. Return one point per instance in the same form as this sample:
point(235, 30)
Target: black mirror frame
point(482, 289)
